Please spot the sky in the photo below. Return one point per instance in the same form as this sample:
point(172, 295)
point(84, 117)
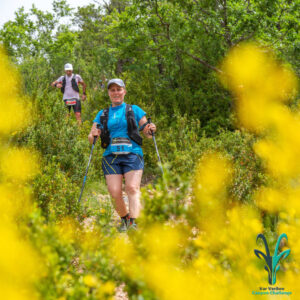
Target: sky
point(8, 7)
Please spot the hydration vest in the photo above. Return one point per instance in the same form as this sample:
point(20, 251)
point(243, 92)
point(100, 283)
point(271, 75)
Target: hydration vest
point(73, 82)
point(132, 128)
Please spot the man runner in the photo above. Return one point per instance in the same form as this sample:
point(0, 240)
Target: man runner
point(69, 87)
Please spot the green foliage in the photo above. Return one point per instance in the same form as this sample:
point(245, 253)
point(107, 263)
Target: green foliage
point(55, 193)
point(56, 135)
point(167, 52)
point(182, 147)
point(167, 58)
point(97, 203)
point(64, 150)
point(69, 263)
point(166, 200)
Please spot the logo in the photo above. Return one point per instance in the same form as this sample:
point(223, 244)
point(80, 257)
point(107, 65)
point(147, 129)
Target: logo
point(272, 261)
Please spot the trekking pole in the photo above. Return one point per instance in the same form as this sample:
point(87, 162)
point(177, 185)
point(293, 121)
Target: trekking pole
point(153, 137)
point(87, 169)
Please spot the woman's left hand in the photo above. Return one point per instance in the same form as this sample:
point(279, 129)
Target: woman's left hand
point(149, 129)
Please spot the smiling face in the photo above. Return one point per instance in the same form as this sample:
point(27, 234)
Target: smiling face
point(69, 72)
point(116, 94)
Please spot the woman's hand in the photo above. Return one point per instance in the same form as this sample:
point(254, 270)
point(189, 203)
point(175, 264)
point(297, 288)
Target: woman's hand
point(149, 129)
point(94, 132)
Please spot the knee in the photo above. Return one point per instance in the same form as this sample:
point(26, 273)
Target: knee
point(115, 193)
point(132, 189)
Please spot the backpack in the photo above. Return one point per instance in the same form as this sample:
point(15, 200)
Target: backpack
point(73, 82)
point(132, 128)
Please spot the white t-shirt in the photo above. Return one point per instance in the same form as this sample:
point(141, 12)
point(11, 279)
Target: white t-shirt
point(69, 92)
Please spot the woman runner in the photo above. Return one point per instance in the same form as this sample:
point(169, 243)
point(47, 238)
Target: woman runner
point(123, 156)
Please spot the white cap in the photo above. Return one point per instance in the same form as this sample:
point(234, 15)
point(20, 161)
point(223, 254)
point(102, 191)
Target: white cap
point(68, 67)
point(117, 81)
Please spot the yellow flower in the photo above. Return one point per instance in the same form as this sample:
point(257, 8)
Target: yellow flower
point(262, 86)
point(67, 230)
point(20, 264)
point(18, 164)
point(108, 288)
point(162, 243)
point(252, 74)
point(252, 71)
point(13, 114)
point(90, 280)
point(212, 175)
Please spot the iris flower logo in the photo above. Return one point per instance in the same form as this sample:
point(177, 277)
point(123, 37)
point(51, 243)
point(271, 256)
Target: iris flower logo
point(272, 261)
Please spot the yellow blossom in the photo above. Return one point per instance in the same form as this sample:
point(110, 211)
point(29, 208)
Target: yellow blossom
point(20, 264)
point(261, 87)
point(90, 280)
point(13, 114)
point(108, 287)
point(18, 164)
point(67, 230)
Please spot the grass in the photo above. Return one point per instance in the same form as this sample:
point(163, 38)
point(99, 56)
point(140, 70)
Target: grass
point(97, 203)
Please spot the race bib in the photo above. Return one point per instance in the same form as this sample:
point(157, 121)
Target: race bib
point(121, 146)
point(71, 102)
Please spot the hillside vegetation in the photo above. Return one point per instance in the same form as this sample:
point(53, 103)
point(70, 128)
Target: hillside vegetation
point(219, 79)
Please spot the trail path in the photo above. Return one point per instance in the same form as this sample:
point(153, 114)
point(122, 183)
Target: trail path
point(88, 223)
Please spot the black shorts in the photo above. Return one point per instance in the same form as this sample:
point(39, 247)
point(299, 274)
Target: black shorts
point(76, 107)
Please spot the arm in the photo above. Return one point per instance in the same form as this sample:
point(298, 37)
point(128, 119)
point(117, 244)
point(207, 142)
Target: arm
point(94, 132)
point(149, 128)
point(56, 84)
point(83, 89)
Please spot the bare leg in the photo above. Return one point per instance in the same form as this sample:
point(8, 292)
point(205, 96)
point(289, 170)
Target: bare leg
point(78, 117)
point(132, 188)
point(114, 185)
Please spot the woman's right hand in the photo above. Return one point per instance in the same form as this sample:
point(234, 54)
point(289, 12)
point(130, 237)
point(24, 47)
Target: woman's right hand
point(94, 132)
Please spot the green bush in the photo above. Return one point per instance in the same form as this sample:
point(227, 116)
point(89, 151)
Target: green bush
point(62, 249)
point(55, 193)
point(181, 146)
point(165, 200)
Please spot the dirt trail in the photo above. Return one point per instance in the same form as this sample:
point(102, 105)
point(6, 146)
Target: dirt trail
point(120, 293)
point(88, 223)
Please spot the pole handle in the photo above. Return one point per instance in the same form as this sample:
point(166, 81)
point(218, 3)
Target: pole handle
point(149, 122)
point(96, 136)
